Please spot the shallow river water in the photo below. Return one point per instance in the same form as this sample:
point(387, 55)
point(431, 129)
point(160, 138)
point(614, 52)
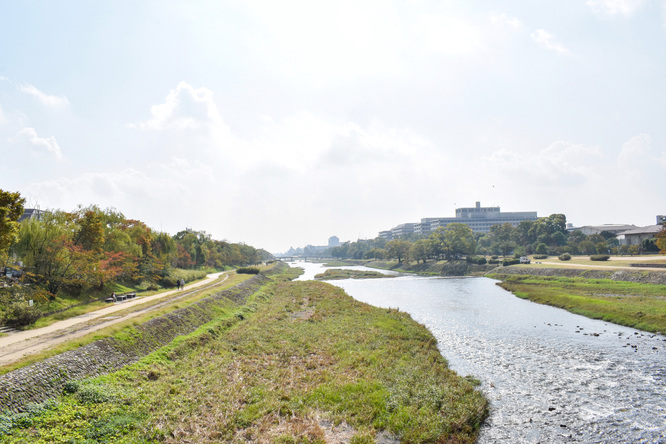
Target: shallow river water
point(550, 376)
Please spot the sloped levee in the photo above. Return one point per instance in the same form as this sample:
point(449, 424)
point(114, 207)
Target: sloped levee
point(640, 276)
point(46, 379)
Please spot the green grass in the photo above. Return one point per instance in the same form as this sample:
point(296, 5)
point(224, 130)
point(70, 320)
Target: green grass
point(299, 353)
point(349, 274)
point(122, 329)
point(637, 305)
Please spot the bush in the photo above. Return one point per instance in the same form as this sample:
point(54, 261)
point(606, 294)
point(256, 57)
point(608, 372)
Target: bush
point(494, 261)
point(478, 260)
point(540, 256)
point(247, 270)
point(564, 257)
point(599, 257)
point(20, 314)
point(507, 262)
point(494, 257)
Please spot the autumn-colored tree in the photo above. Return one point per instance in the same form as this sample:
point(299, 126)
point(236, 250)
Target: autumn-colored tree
point(11, 209)
point(661, 240)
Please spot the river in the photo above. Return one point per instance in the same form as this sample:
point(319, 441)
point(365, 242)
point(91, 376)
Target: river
point(550, 376)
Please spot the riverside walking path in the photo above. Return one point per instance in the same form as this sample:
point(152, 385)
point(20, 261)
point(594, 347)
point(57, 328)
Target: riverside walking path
point(19, 345)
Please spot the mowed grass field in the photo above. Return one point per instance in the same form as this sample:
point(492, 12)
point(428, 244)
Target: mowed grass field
point(301, 363)
point(613, 261)
point(632, 304)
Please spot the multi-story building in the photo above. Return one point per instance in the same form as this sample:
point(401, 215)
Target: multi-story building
point(478, 218)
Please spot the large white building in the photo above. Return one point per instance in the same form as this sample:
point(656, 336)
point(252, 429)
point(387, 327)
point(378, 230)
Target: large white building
point(478, 218)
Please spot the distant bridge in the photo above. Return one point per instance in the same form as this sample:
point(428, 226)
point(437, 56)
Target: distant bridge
point(304, 258)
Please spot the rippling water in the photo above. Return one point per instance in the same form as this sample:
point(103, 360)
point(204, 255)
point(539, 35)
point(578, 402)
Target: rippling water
point(550, 376)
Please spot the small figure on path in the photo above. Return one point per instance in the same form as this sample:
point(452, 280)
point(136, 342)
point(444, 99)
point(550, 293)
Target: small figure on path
point(113, 295)
point(178, 284)
point(182, 284)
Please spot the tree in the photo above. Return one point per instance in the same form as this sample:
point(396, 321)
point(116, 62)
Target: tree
point(420, 250)
point(541, 249)
point(459, 240)
point(90, 234)
point(661, 240)
point(398, 249)
point(11, 209)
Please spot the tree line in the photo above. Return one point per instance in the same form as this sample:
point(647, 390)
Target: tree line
point(90, 249)
point(544, 236)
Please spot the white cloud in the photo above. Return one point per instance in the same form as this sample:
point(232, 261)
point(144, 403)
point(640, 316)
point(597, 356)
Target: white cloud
point(3, 119)
point(547, 41)
point(635, 149)
point(448, 35)
point(503, 19)
point(184, 108)
point(39, 144)
point(47, 100)
point(615, 7)
point(563, 163)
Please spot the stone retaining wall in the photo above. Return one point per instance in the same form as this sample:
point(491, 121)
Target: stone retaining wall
point(46, 379)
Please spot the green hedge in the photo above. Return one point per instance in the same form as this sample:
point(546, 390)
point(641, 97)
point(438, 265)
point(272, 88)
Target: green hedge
point(564, 257)
point(507, 262)
point(599, 257)
point(478, 260)
point(247, 270)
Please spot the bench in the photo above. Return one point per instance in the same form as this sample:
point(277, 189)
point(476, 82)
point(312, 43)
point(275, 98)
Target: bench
point(121, 297)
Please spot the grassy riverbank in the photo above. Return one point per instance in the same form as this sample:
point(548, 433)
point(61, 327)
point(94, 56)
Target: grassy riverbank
point(302, 362)
point(329, 275)
point(632, 304)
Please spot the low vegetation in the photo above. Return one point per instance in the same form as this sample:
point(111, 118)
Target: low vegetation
point(637, 305)
point(350, 274)
point(299, 359)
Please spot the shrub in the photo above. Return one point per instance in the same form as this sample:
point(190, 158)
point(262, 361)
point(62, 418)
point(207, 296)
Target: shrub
point(564, 257)
point(540, 256)
point(494, 257)
point(478, 260)
point(599, 257)
point(247, 270)
point(20, 314)
point(494, 261)
point(507, 262)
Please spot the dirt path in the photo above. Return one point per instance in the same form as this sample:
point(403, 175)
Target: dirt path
point(611, 267)
point(19, 345)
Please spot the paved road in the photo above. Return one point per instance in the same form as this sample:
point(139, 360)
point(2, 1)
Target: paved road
point(19, 345)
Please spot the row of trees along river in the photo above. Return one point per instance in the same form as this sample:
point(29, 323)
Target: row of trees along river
point(547, 235)
point(66, 257)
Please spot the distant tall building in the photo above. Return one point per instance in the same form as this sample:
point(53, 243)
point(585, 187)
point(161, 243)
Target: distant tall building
point(478, 218)
point(333, 241)
point(31, 213)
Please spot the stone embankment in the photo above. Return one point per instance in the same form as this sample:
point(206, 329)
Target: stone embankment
point(46, 379)
point(645, 277)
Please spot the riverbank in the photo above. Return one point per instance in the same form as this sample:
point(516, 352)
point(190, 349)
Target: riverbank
point(623, 296)
point(300, 362)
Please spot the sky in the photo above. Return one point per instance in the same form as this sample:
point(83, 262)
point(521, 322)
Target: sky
point(280, 124)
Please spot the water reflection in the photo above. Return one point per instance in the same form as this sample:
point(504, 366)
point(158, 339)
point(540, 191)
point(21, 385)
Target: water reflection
point(551, 376)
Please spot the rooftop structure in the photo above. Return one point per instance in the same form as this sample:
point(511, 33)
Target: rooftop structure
point(597, 229)
point(478, 218)
point(31, 213)
point(637, 235)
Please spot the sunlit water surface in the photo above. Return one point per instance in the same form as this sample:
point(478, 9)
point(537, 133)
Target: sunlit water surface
point(550, 376)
